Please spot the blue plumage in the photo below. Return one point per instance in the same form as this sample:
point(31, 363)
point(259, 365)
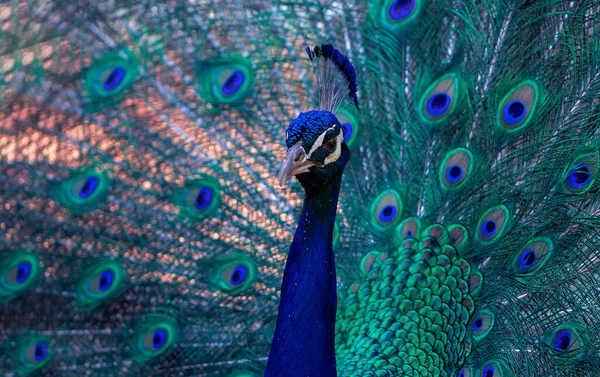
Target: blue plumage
point(303, 344)
point(308, 126)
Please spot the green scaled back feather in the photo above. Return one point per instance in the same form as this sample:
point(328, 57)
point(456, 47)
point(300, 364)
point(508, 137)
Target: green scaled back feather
point(143, 230)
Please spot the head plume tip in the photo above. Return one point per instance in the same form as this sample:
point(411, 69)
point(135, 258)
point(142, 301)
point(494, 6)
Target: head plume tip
point(343, 64)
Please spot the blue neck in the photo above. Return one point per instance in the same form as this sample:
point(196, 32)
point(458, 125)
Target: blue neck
point(303, 344)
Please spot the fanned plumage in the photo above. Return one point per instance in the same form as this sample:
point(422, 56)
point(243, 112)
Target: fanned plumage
point(143, 230)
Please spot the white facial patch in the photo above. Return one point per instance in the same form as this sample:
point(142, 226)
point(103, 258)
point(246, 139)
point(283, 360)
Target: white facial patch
point(338, 146)
point(338, 149)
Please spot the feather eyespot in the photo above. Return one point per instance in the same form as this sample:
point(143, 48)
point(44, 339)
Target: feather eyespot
point(489, 371)
point(115, 77)
point(108, 78)
point(562, 341)
point(233, 83)
point(580, 176)
point(518, 106)
point(386, 209)
point(566, 341)
point(225, 81)
point(22, 272)
point(514, 112)
point(489, 228)
point(454, 173)
point(464, 372)
point(234, 274)
point(238, 275)
point(492, 224)
point(100, 283)
point(350, 126)
point(532, 255)
point(438, 104)
point(396, 15)
point(440, 99)
point(17, 273)
point(400, 9)
point(155, 337)
point(203, 198)
point(158, 338)
point(32, 354)
point(527, 259)
point(582, 173)
point(200, 197)
point(347, 129)
point(88, 187)
point(37, 352)
point(456, 168)
point(388, 213)
point(84, 190)
point(482, 324)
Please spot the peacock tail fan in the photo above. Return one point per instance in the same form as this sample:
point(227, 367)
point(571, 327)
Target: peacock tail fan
point(143, 230)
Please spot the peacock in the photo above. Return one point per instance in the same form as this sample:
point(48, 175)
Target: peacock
point(299, 188)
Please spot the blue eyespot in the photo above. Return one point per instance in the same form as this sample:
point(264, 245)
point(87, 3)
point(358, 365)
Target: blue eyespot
point(155, 336)
point(32, 354)
point(438, 103)
point(89, 187)
point(40, 351)
point(478, 324)
point(527, 259)
point(114, 79)
point(23, 272)
point(234, 274)
point(233, 83)
point(488, 228)
point(204, 198)
point(454, 173)
point(401, 9)
point(489, 371)
point(239, 275)
point(580, 176)
point(514, 112)
point(159, 338)
point(386, 210)
point(388, 213)
point(562, 341)
point(493, 224)
point(348, 130)
point(106, 280)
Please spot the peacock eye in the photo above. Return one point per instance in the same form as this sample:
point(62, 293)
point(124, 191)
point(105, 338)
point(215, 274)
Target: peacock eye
point(330, 145)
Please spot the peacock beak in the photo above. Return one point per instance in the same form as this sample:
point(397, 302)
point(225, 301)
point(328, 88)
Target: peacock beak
point(295, 163)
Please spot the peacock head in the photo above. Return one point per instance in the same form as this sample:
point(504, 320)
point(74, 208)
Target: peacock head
point(317, 153)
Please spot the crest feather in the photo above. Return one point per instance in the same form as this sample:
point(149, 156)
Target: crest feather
point(336, 77)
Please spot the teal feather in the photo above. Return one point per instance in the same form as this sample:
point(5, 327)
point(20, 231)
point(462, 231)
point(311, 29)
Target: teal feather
point(144, 139)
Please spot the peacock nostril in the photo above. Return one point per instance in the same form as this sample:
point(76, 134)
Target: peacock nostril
point(299, 156)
